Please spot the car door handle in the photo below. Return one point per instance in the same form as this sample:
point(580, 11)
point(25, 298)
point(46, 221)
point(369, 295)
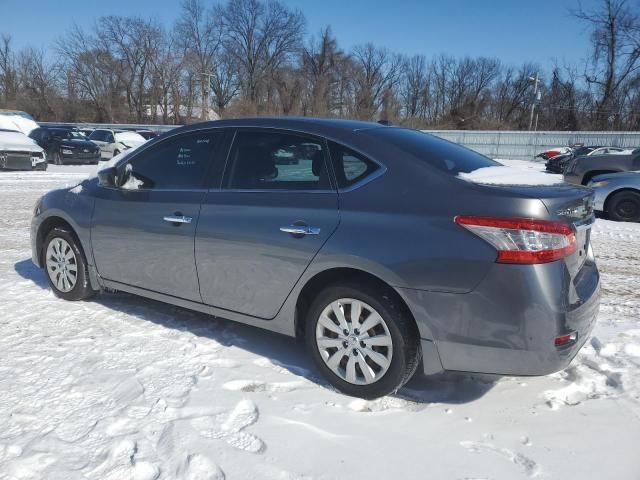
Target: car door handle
point(177, 219)
point(300, 230)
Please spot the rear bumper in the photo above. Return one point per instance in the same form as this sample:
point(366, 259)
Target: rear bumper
point(508, 324)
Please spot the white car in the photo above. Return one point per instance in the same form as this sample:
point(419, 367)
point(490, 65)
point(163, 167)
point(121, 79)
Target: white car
point(610, 151)
point(113, 142)
point(19, 152)
point(17, 120)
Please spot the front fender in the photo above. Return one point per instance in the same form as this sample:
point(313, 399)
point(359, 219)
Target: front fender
point(73, 206)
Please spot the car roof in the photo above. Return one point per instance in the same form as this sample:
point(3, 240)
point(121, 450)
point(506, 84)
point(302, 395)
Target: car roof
point(319, 126)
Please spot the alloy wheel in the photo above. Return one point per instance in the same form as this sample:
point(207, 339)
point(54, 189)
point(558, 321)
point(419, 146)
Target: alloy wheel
point(62, 265)
point(354, 341)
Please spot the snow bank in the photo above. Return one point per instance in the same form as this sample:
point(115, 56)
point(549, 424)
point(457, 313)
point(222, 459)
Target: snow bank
point(503, 175)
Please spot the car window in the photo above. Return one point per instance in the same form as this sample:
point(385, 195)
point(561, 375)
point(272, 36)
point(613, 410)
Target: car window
point(350, 167)
point(98, 135)
point(276, 161)
point(109, 137)
point(180, 162)
point(441, 154)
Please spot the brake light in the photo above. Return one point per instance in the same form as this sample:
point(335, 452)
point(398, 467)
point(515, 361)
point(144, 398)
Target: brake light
point(567, 339)
point(522, 240)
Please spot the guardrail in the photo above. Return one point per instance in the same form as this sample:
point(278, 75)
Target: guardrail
point(514, 145)
point(525, 145)
point(116, 126)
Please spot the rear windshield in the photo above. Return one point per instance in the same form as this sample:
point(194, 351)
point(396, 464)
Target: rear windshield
point(439, 153)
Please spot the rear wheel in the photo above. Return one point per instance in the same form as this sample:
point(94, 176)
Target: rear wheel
point(116, 152)
point(624, 206)
point(66, 266)
point(362, 339)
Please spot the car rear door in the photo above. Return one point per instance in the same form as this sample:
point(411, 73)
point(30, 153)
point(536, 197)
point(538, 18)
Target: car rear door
point(143, 232)
point(257, 233)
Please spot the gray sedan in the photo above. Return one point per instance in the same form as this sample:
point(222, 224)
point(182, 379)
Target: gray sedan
point(373, 243)
point(618, 195)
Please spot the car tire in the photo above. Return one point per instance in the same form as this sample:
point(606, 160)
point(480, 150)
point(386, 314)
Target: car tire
point(347, 358)
point(624, 206)
point(62, 256)
point(116, 152)
point(57, 158)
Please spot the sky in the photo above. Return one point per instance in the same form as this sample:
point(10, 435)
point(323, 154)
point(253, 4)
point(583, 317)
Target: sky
point(514, 31)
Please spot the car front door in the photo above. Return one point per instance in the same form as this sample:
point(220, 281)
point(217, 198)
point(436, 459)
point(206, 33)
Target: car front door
point(143, 231)
point(257, 233)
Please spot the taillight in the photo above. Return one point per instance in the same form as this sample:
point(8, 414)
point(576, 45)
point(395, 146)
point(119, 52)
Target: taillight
point(521, 240)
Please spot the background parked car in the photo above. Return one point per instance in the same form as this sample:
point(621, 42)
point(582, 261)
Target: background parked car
point(147, 134)
point(547, 154)
point(17, 120)
point(558, 163)
point(610, 151)
point(66, 145)
point(113, 142)
point(618, 195)
point(582, 169)
point(19, 152)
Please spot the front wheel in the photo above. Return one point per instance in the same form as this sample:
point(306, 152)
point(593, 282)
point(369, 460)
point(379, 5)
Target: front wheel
point(624, 206)
point(362, 339)
point(115, 153)
point(66, 266)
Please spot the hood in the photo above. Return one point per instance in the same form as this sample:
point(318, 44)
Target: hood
point(15, 141)
point(16, 122)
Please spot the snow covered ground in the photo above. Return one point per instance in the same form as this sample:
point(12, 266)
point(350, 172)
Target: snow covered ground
point(122, 387)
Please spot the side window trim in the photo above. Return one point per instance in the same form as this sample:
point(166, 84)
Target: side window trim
point(381, 170)
point(227, 164)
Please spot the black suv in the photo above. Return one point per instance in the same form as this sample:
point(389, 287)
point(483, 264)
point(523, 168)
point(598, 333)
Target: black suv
point(66, 145)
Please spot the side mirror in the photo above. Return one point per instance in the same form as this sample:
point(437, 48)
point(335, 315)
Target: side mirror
point(108, 177)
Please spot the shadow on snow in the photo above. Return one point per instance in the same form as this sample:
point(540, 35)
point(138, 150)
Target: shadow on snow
point(283, 351)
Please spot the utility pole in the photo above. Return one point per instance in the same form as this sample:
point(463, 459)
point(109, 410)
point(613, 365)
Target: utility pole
point(535, 81)
point(204, 114)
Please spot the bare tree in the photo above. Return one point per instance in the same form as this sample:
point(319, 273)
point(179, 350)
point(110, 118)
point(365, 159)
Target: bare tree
point(615, 56)
point(260, 37)
point(39, 83)
point(321, 61)
point(199, 34)
point(8, 74)
point(377, 70)
point(93, 70)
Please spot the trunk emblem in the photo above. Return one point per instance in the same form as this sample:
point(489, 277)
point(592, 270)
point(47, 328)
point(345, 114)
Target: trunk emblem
point(573, 211)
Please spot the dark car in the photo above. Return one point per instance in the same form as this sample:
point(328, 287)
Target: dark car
point(66, 145)
point(558, 163)
point(350, 247)
point(581, 170)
